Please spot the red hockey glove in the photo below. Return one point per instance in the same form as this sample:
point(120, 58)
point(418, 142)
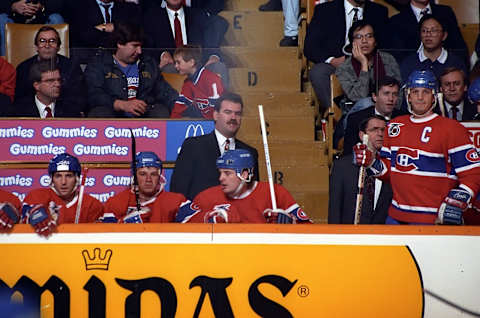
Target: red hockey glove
point(453, 206)
point(362, 156)
point(41, 221)
point(8, 216)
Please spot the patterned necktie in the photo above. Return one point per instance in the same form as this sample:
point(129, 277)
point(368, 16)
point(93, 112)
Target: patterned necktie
point(424, 12)
point(227, 145)
point(454, 112)
point(108, 19)
point(178, 31)
point(355, 15)
point(49, 112)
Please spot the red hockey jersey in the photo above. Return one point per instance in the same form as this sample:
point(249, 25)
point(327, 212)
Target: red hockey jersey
point(61, 211)
point(424, 158)
point(198, 95)
point(250, 205)
point(12, 199)
point(163, 206)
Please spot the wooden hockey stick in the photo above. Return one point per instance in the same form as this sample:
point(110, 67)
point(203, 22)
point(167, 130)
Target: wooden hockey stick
point(441, 104)
point(361, 183)
point(80, 194)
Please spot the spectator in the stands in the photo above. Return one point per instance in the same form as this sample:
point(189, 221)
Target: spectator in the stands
point(431, 54)
point(47, 101)
point(385, 93)
point(327, 36)
point(7, 85)
point(201, 88)
point(127, 83)
point(176, 25)
point(28, 12)
point(404, 38)
point(93, 21)
point(366, 65)
point(453, 85)
point(47, 43)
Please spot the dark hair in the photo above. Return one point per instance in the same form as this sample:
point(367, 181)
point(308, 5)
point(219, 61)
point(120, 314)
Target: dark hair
point(360, 24)
point(190, 52)
point(40, 67)
point(384, 81)
point(364, 123)
point(46, 28)
point(228, 96)
point(452, 69)
point(434, 17)
point(126, 32)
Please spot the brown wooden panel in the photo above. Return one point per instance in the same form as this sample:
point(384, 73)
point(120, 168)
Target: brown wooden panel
point(293, 153)
point(279, 128)
point(258, 29)
point(259, 57)
point(314, 203)
point(465, 10)
point(243, 5)
point(470, 33)
point(277, 104)
point(298, 178)
point(285, 79)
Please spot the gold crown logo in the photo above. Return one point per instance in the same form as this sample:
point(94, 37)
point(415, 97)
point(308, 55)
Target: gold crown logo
point(97, 261)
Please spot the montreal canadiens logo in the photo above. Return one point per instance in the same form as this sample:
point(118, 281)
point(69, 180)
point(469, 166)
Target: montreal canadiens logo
point(473, 155)
point(394, 129)
point(301, 215)
point(405, 158)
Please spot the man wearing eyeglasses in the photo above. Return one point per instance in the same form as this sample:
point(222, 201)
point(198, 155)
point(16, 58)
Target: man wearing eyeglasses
point(47, 102)
point(47, 43)
point(431, 55)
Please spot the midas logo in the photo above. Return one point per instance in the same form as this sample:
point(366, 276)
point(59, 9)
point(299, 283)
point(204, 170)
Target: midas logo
point(215, 288)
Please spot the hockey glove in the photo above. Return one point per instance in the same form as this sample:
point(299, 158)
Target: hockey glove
point(278, 216)
point(8, 216)
point(108, 218)
point(41, 221)
point(134, 216)
point(453, 206)
point(362, 156)
point(222, 215)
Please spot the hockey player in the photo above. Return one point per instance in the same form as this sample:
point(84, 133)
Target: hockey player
point(239, 199)
point(9, 210)
point(200, 90)
point(156, 205)
point(430, 161)
point(46, 208)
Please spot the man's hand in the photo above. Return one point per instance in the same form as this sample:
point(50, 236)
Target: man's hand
point(362, 155)
point(136, 107)
point(359, 56)
point(8, 216)
point(166, 58)
point(278, 216)
point(25, 9)
point(41, 221)
point(336, 61)
point(105, 27)
point(453, 206)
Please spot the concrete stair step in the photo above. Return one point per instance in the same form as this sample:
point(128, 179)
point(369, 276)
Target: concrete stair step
point(279, 129)
point(277, 104)
point(250, 5)
point(237, 56)
point(256, 29)
point(286, 79)
point(314, 203)
point(297, 178)
point(293, 153)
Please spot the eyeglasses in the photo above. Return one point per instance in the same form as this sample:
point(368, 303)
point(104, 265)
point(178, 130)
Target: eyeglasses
point(51, 42)
point(367, 36)
point(431, 31)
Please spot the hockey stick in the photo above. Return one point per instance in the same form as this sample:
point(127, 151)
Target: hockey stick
point(361, 182)
point(80, 195)
point(281, 218)
point(134, 171)
point(441, 104)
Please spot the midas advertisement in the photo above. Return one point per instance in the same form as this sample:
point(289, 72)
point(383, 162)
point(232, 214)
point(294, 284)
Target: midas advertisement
point(212, 280)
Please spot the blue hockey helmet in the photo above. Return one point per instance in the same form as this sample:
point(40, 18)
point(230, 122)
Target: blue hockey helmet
point(424, 79)
point(238, 160)
point(64, 162)
point(474, 91)
point(147, 159)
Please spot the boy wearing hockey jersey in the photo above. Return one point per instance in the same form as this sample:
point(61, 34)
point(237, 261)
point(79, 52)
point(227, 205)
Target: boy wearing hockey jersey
point(46, 208)
point(201, 88)
point(149, 203)
point(430, 161)
point(239, 199)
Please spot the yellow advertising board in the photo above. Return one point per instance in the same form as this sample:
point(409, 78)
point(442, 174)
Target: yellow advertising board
point(212, 280)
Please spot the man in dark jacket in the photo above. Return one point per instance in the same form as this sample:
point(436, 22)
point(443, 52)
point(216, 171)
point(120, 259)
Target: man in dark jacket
point(125, 83)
